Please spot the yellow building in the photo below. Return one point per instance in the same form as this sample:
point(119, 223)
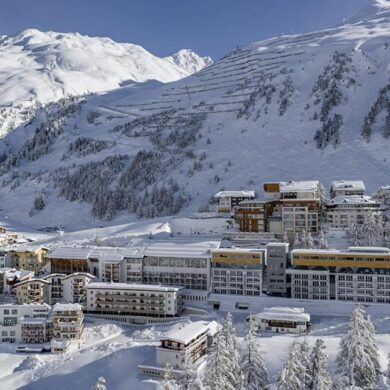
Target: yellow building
point(360, 274)
point(32, 291)
point(28, 258)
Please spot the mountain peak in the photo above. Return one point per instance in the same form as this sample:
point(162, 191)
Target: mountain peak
point(189, 61)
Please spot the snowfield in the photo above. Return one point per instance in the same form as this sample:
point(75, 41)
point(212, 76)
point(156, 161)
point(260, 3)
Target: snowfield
point(114, 351)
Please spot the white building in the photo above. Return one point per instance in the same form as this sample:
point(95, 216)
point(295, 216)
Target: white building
point(67, 326)
point(343, 212)
point(12, 316)
point(283, 320)
point(237, 271)
point(183, 343)
point(347, 188)
point(132, 301)
point(383, 195)
point(229, 199)
point(11, 276)
point(75, 287)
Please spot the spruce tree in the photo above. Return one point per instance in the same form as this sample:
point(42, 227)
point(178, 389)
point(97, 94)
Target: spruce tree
point(358, 357)
point(100, 384)
point(168, 382)
point(255, 375)
point(321, 379)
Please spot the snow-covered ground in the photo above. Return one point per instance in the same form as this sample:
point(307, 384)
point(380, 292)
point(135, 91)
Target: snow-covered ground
point(114, 351)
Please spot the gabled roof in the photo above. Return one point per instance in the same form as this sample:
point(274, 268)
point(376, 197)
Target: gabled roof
point(299, 186)
point(353, 199)
point(31, 281)
point(284, 314)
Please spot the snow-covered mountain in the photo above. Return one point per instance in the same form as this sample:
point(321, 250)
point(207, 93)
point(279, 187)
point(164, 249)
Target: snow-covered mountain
point(306, 106)
point(40, 67)
point(189, 61)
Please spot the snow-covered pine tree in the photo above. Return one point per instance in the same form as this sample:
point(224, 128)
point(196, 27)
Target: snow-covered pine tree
point(297, 241)
point(255, 375)
point(321, 379)
point(355, 234)
point(215, 369)
point(388, 370)
point(309, 241)
point(322, 241)
point(231, 356)
point(372, 231)
point(191, 380)
point(323, 201)
point(100, 384)
point(168, 382)
point(304, 355)
point(357, 360)
point(290, 377)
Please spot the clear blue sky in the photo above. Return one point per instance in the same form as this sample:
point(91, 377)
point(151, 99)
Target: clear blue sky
point(210, 27)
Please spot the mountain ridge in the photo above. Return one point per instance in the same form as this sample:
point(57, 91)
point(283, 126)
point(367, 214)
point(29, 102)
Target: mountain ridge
point(307, 106)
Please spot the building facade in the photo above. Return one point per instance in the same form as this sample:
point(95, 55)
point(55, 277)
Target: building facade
point(229, 199)
point(250, 216)
point(237, 271)
point(121, 299)
point(347, 188)
point(343, 212)
point(277, 262)
point(360, 274)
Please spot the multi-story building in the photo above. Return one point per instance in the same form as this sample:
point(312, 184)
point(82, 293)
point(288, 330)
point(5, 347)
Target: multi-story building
point(277, 262)
point(32, 291)
point(292, 206)
point(343, 212)
point(250, 215)
point(114, 300)
point(36, 330)
point(68, 260)
point(3, 255)
point(67, 321)
point(360, 274)
point(383, 195)
point(183, 344)
point(74, 287)
point(229, 199)
point(12, 316)
point(185, 264)
point(347, 188)
point(237, 271)
point(56, 287)
point(11, 276)
point(27, 258)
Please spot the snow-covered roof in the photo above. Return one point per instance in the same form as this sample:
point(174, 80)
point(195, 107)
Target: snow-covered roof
point(75, 274)
point(299, 186)
point(235, 194)
point(184, 333)
point(356, 185)
point(75, 253)
point(240, 250)
point(133, 286)
point(252, 201)
point(67, 307)
point(12, 273)
point(352, 199)
point(200, 249)
point(372, 249)
point(32, 281)
point(284, 314)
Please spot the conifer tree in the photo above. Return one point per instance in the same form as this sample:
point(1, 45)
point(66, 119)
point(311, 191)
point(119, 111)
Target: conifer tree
point(168, 382)
point(321, 379)
point(255, 375)
point(358, 357)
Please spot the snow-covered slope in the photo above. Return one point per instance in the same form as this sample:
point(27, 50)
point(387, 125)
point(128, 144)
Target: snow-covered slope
point(189, 61)
point(40, 67)
point(310, 106)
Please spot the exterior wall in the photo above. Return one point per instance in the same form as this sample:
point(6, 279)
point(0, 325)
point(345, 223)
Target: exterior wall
point(237, 272)
point(11, 317)
point(56, 288)
point(282, 326)
point(250, 217)
point(177, 354)
point(276, 268)
point(345, 192)
point(345, 216)
point(68, 266)
point(126, 300)
point(28, 260)
point(190, 273)
point(309, 284)
point(36, 331)
point(32, 291)
point(75, 287)
point(110, 271)
point(67, 323)
point(133, 270)
point(298, 218)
